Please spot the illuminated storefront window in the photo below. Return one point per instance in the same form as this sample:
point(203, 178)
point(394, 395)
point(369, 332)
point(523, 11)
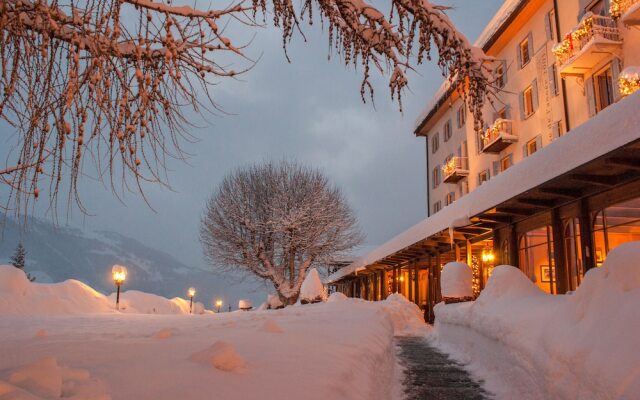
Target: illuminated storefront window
point(536, 258)
point(614, 226)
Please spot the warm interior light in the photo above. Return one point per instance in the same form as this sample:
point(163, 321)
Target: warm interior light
point(488, 256)
point(402, 279)
point(192, 292)
point(119, 273)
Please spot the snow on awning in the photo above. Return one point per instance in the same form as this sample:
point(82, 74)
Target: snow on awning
point(612, 128)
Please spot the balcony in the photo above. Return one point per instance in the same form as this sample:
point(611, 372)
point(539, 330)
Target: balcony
point(455, 169)
point(593, 40)
point(628, 11)
point(498, 137)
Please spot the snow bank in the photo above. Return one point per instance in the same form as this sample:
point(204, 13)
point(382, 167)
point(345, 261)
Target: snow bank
point(457, 280)
point(312, 289)
point(45, 379)
point(336, 297)
point(584, 345)
point(220, 355)
point(405, 316)
point(20, 296)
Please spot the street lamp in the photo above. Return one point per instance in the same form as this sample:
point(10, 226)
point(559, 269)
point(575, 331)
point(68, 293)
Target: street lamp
point(119, 273)
point(218, 304)
point(191, 293)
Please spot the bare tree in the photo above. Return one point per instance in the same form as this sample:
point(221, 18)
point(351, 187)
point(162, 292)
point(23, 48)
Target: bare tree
point(105, 82)
point(275, 221)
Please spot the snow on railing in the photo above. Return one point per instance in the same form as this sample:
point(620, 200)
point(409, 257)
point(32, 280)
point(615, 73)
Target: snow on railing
point(590, 27)
point(455, 164)
point(618, 7)
point(500, 127)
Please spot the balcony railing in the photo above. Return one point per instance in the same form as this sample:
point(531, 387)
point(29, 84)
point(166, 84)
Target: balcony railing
point(499, 136)
point(626, 10)
point(587, 44)
point(455, 169)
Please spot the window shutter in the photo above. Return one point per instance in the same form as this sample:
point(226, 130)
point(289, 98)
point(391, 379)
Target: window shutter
point(478, 180)
point(504, 72)
point(591, 99)
point(525, 151)
point(488, 173)
point(519, 55)
point(530, 43)
point(615, 73)
point(507, 111)
point(553, 80)
point(539, 142)
point(534, 94)
point(555, 128)
point(547, 26)
point(521, 101)
point(511, 159)
point(496, 168)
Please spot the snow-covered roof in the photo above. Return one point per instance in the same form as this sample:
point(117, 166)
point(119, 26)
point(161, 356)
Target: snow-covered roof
point(502, 17)
point(610, 129)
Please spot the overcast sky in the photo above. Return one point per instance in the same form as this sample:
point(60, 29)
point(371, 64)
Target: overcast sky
point(309, 110)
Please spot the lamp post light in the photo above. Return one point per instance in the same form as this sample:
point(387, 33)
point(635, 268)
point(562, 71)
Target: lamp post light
point(488, 256)
point(119, 274)
point(218, 304)
point(191, 293)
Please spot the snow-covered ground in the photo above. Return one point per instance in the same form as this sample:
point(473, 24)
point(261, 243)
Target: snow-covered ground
point(341, 349)
point(527, 344)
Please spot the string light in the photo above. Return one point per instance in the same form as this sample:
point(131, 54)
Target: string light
point(629, 81)
point(590, 26)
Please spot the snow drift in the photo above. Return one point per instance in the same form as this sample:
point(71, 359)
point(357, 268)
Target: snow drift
point(20, 296)
point(578, 346)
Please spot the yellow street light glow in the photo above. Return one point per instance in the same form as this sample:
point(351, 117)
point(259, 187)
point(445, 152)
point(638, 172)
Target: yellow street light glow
point(192, 292)
point(119, 273)
point(218, 303)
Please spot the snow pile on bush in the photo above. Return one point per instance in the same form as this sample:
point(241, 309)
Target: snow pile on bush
point(405, 316)
point(312, 289)
point(336, 297)
point(45, 379)
point(20, 296)
point(456, 280)
point(274, 302)
point(220, 355)
point(584, 345)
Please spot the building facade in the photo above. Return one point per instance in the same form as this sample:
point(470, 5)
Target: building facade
point(562, 67)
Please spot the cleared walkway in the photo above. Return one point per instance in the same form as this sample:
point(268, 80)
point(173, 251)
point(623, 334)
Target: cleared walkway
point(431, 375)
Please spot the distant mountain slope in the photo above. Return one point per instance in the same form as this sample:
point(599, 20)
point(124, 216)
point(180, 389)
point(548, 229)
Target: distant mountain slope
point(57, 253)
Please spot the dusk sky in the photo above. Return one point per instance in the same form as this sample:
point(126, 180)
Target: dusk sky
point(309, 110)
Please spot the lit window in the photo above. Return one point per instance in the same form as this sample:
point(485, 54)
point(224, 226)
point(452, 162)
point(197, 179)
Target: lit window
point(451, 197)
point(483, 177)
point(506, 162)
point(524, 52)
point(532, 146)
point(603, 85)
point(528, 101)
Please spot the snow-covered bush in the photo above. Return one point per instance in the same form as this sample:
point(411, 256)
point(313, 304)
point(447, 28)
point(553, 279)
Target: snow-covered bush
point(456, 281)
point(274, 302)
point(312, 289)
point(337, 297)
point(245, 305)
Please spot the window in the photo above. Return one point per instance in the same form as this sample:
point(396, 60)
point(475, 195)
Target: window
point(502, 114)
point(614, 226)
point(536, 258)
point(525, 57)
point(528, 103)
point(553, 80)
point(532, 146)
point(557, 130)
point(483, 177)
point(435, 182)
point(501, 75)
point(447, 131)
point(451, 197)
point(598, 7)
point(506, 162)
point(461, 115)
point(435, 142)
point(437, 206)
point(603, 84)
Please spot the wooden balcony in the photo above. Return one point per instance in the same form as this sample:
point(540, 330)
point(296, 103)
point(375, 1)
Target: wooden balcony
point(627, 11)
point(456, 169)
point(498, 137)
point(594, 39)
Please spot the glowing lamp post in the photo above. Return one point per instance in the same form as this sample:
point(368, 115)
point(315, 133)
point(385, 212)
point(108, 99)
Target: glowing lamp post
point(191, 293)
point(218, 304)
point(119, 275)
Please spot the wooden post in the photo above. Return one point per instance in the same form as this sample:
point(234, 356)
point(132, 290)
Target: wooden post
point(416, 284)
point(586, 236)
point(559, 259)
point(394, 284)
point(513, 247)
point(436, 277)
point(409, 281)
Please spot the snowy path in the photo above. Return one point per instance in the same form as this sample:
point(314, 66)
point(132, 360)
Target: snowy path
point(431, 375)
